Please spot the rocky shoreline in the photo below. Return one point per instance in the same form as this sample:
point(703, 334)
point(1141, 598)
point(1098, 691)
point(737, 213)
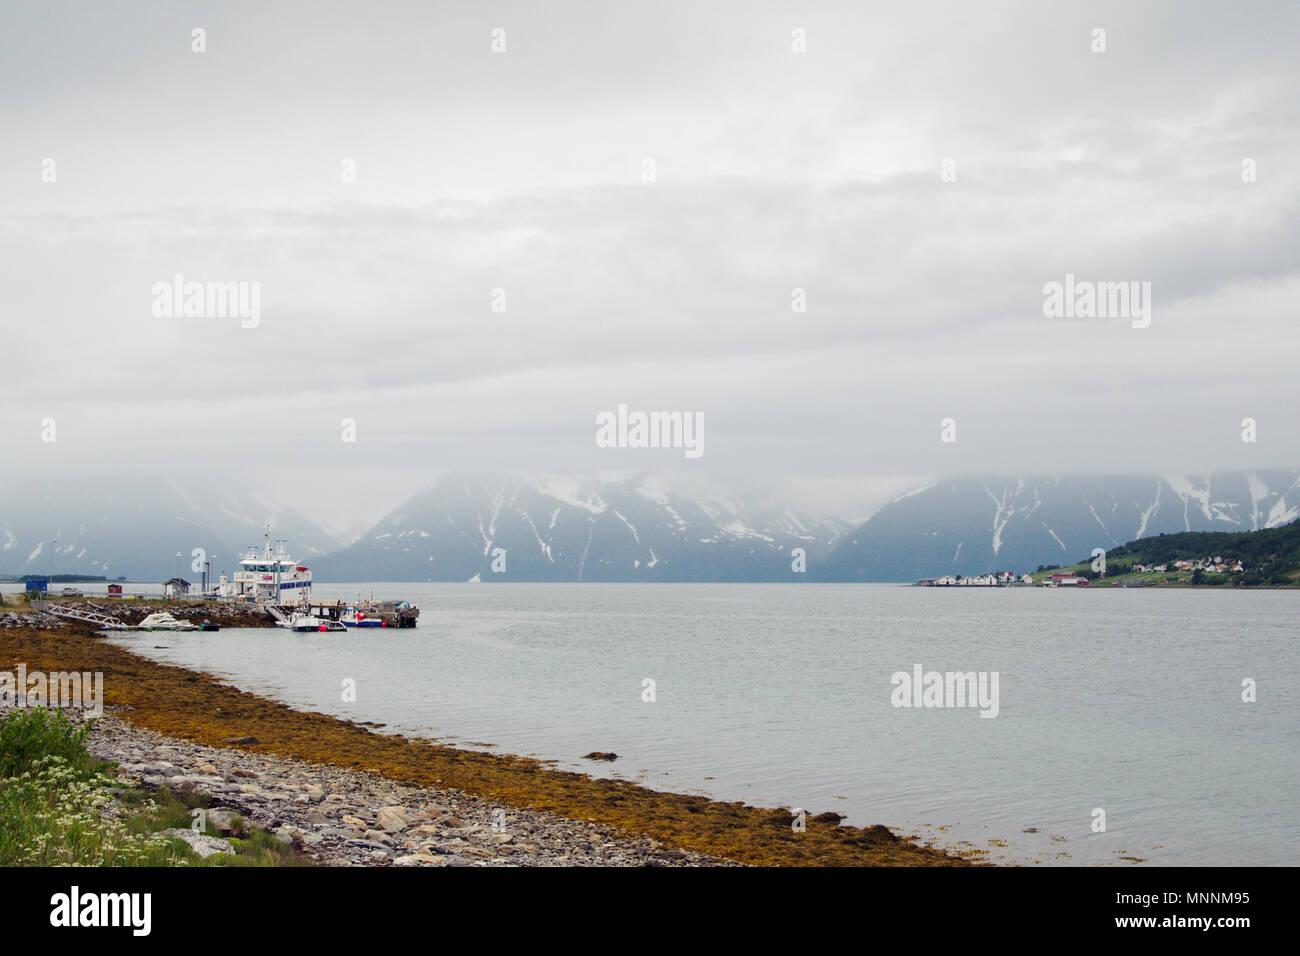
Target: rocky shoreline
point(341, 817)
point(196, 722)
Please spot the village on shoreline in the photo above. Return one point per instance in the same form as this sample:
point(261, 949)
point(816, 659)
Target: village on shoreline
point(1082, 575)
point(1264, 559)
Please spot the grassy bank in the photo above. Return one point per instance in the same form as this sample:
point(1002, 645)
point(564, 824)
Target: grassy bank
point(61, 807)
point(197, 707)
point(1270, 559)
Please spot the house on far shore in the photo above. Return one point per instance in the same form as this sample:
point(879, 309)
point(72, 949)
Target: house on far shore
point(176, 587)
point(1069, 580)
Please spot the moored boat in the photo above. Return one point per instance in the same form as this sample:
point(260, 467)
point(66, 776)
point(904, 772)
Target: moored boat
point(306, 623)
point(357, 617)
point(359, 613)
point(268, 576)
point(162, 621)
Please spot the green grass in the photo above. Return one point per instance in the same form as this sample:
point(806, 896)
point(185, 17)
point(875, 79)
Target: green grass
point(59, 806)
point(27, 735)
point(1272, 557)
point(16, 603)
point(1121, 575)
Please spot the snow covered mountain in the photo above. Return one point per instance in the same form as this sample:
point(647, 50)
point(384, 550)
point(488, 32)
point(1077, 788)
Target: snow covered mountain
point(133, 527)
point(974, 525)
point(462, 525)
point(564, 529)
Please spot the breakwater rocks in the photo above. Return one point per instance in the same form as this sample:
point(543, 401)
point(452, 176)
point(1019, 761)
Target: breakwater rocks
point(343, 817)
point(30, 619)
point(225, 613)
point(129, 611)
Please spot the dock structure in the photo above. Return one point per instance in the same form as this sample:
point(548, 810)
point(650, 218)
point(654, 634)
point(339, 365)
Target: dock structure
point(103, 621)
point(400, 614)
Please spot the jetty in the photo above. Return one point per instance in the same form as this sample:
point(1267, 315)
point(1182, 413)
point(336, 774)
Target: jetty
point(73, 613)
point(399, 614)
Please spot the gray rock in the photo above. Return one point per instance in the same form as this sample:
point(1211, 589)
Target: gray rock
point(420, 858)
point(306, 836)
point(197, 780)
point(393, 819)
point(224, 821)
point(370, 845)
point(202, 844)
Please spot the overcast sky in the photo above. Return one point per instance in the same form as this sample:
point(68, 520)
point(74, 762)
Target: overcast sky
point(524, 170)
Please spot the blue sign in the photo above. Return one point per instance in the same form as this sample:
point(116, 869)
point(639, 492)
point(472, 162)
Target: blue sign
point(37, 584)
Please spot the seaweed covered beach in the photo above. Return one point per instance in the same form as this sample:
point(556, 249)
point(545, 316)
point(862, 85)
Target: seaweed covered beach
point(396, 798)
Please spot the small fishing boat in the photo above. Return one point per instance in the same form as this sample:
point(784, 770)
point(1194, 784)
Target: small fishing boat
point(209, 626)
point(306, 623)
point(355, 617)
point(162, 621)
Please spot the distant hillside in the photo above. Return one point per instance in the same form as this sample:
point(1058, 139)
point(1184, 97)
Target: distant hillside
point(134, 526)
point(1269, 557)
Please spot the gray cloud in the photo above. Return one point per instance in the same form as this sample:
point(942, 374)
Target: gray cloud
point(775, 170)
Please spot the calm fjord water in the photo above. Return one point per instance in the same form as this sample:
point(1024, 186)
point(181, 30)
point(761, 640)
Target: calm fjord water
point(779, 695)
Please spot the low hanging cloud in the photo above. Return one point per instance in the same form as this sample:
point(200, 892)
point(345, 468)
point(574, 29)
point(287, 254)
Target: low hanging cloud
point(835, 249)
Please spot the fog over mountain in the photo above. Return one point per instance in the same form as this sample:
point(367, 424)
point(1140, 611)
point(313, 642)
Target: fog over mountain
point(556, 528)
point(498, 527)
point(134, 527)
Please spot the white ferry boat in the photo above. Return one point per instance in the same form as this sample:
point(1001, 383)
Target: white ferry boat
point(269, 576)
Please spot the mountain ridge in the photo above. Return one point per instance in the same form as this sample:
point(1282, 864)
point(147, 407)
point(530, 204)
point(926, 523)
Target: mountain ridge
point(974, 524)
point(464, 526)
point(499, 526)
point(134, 527)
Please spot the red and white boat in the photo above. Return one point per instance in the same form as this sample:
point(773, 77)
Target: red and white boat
point(357, 617)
